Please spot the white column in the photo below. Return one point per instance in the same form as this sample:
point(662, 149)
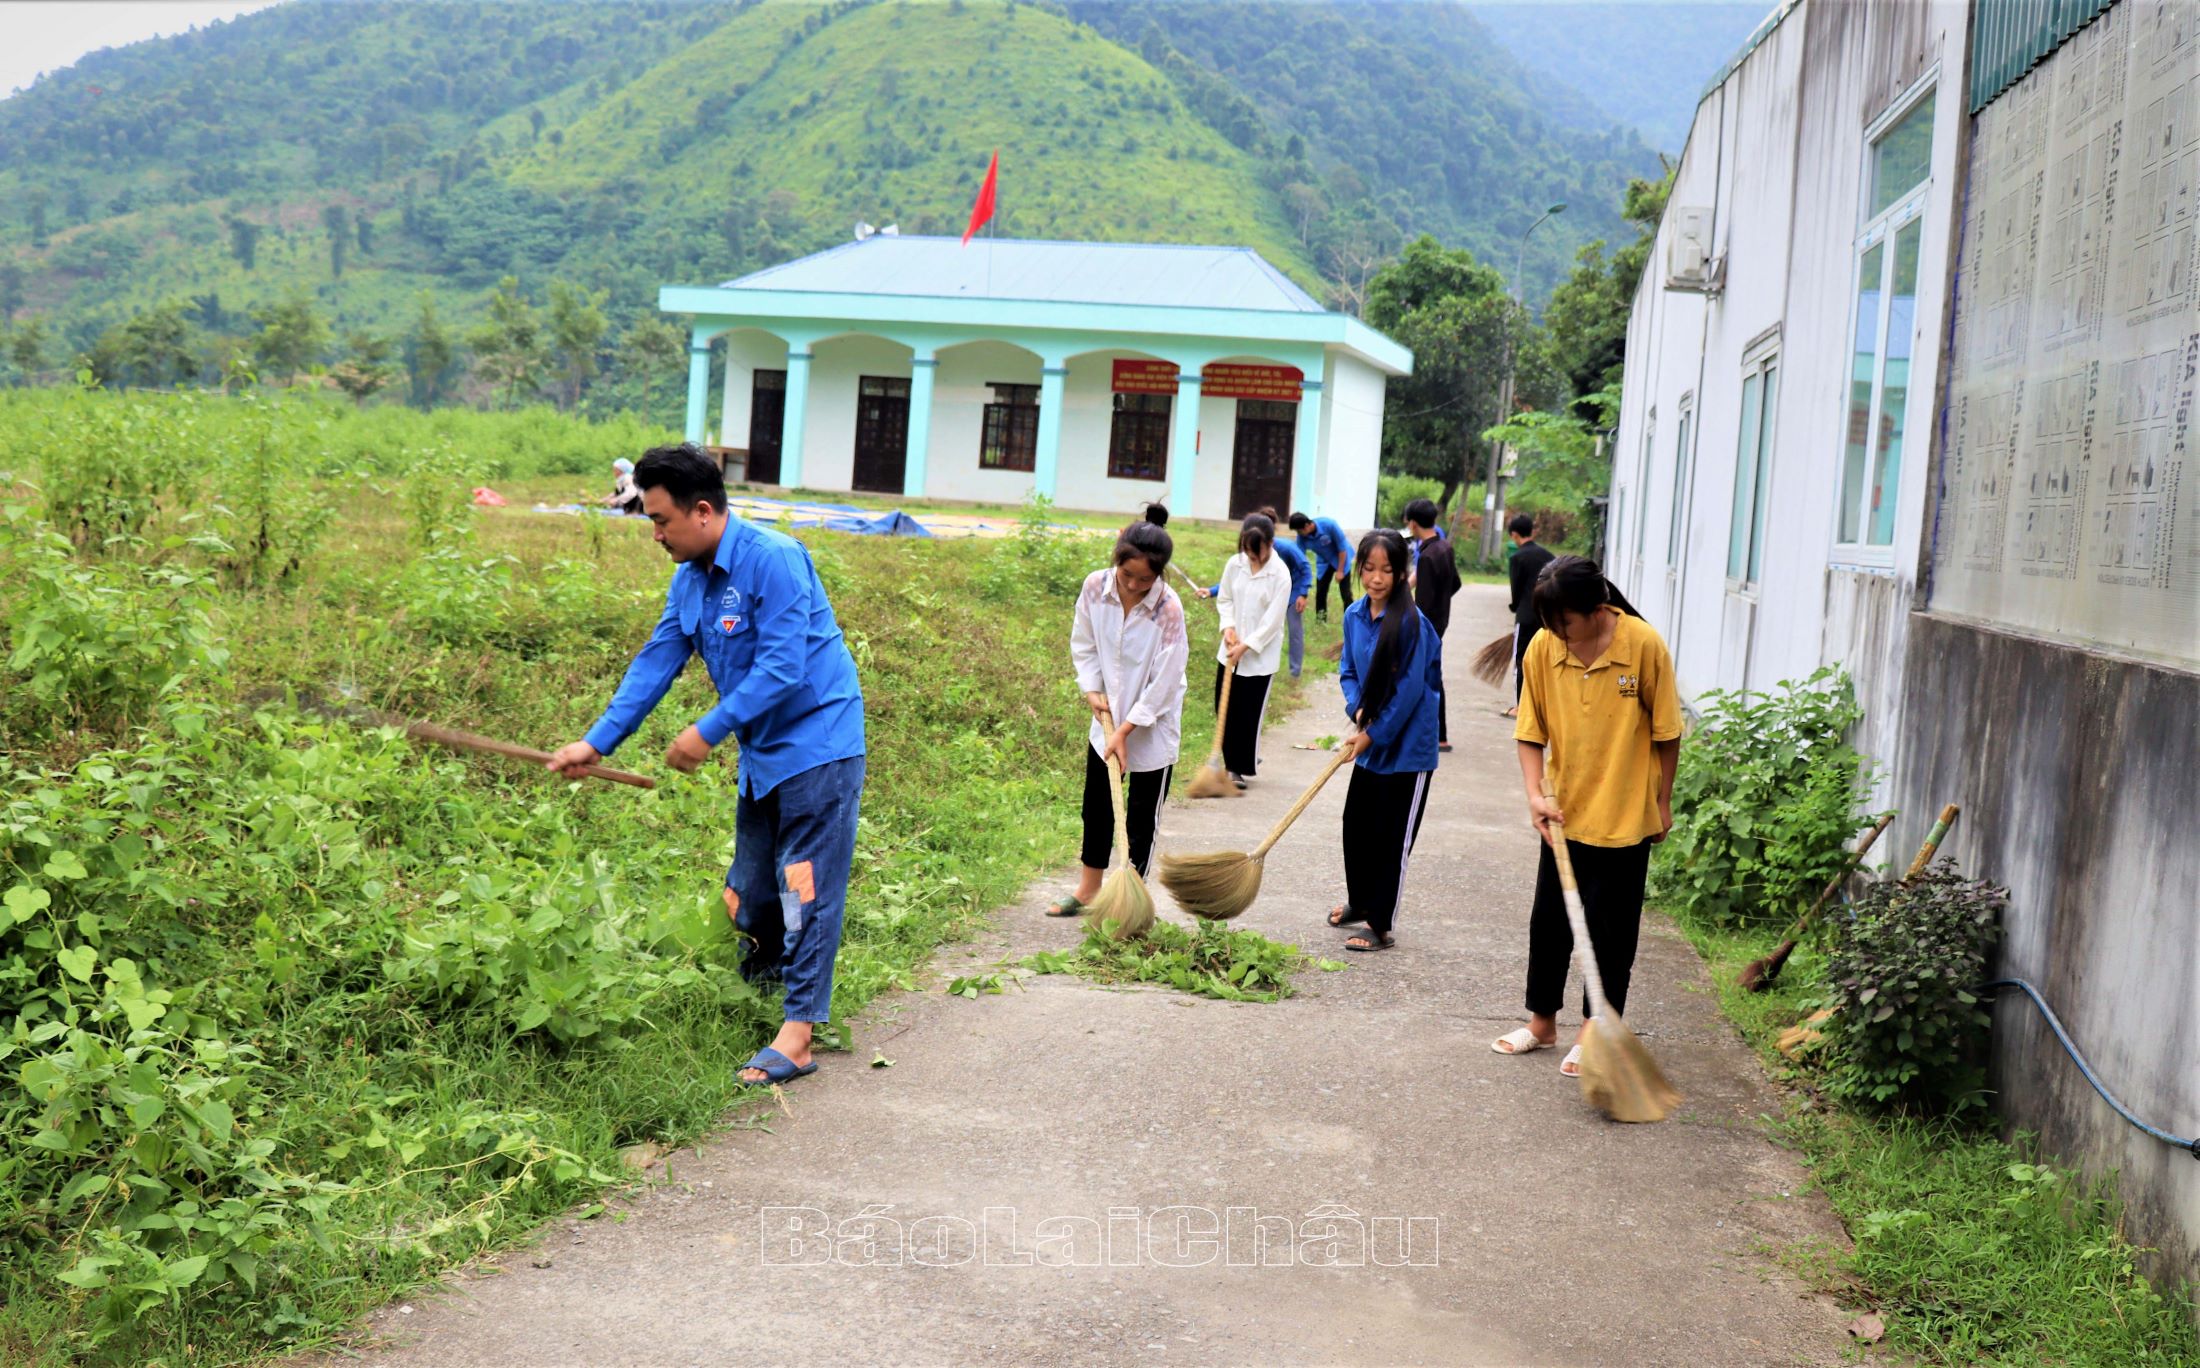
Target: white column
point(1046, 465)
point(1183, 441)
point(922, 371)
point(698, 385)
point(1306, 445)
point(798, 403)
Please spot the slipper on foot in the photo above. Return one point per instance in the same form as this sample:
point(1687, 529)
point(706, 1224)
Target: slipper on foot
point(776, 1067)
point(1522, 1041)
point(1066, 906)
point(1370, 944)
point(1343, 915)
point(1571, 1064)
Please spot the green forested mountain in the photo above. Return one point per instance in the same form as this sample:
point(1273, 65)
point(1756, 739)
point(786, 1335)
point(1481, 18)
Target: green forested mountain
point(1642, 63)
point(359, 155)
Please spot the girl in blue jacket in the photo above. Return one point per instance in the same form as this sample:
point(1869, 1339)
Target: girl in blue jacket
point(1391, 671)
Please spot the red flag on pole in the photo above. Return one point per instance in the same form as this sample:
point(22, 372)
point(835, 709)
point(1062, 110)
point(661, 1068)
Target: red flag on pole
point(982, 211)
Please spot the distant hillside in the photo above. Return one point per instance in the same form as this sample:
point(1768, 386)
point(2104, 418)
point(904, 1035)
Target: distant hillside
point(1642, 64)
point(367, 152)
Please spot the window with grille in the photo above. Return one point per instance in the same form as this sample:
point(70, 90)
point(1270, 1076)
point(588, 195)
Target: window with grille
point(1138, 440)
point(1010, 439)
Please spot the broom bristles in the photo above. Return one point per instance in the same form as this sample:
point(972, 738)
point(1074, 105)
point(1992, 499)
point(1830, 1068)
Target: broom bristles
point(1758, 974)
point(1216, 886)
point(1123, 905)
point(1618, 1076)
point(1492, 661)
point(1212, 781)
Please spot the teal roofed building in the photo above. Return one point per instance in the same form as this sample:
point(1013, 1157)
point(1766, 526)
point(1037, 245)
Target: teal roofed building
point(1100, 375)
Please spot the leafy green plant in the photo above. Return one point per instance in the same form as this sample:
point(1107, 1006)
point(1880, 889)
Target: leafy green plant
point(1764, 803)
point(1394, 492)
point(271, 510)
point(1903, 970)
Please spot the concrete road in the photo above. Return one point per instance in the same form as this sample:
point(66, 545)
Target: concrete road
point(1083, 1175)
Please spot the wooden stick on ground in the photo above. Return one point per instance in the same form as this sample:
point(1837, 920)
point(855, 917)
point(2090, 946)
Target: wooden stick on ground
point(1758, 974)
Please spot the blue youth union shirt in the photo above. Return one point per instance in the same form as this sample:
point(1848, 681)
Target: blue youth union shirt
point(1325, 541)
point(758, 616)
point(1302, 579)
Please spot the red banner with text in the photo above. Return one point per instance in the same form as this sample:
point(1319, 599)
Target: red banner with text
point(1137, 375)
point(1225, 380)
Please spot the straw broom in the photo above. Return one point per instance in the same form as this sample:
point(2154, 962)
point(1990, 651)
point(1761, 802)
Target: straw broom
point(1223, 884)
point(1491, 662)
point(1123, 905)
point(1618, 1076)
point(1758, 974)
point(1212, 780)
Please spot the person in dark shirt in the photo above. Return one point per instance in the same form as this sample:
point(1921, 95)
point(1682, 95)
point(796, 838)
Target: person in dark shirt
point(1528, 560)
point(1435, 580)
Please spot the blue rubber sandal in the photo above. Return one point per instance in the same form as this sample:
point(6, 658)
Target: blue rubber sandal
point(776, 1066)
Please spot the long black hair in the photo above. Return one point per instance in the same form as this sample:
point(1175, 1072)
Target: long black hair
point(1147, 542)
point(1400, 634)
point(1574, 584)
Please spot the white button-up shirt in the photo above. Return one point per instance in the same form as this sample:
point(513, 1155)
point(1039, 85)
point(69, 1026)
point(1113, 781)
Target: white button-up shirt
point(1253, 601)
point(1137, 659)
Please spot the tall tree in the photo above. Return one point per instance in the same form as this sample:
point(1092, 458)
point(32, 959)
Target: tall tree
point(153, 348)
point(652, 347)
point(577, 328)
point(1454, 313)
point(367, 369)
point(292, 335)
point(11, 290)
point(430, 355)
point(508, 349)
point(35, 212)
point(337, 220)
point(244, 241)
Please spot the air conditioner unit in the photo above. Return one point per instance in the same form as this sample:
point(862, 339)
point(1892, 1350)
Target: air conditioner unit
point(1689, 264)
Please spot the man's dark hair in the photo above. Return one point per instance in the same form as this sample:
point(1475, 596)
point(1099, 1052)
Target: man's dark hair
point(1521, 526)
point(686, 474)
point(1300, 522)
point(1422, 513)
point(1157, 514)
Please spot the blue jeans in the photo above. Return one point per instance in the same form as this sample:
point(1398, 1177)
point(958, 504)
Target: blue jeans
point(1297, 619)
point(792, 849)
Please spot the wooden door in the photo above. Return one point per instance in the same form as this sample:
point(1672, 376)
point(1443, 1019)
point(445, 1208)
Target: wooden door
point(1260, 459)
point(767, 424)
point(882, 434)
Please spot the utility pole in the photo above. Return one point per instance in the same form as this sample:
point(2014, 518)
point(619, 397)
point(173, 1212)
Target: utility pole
point(1501, 460)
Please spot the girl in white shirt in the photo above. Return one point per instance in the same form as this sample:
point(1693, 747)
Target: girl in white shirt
point(1256, 590)
point(1129, 647)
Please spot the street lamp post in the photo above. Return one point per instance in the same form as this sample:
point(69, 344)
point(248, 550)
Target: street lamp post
point(1493, 502)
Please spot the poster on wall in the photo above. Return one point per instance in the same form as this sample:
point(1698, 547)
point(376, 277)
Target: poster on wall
point(1228, 380)
point(1139, 375)
point(2066, 479)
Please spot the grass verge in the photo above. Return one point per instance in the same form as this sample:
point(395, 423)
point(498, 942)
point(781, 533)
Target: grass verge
point(1972, 1248)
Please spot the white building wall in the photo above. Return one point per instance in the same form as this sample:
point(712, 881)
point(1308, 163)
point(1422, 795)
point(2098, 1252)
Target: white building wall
point(961, 390)
point(1088, 419)
point(837, 366)
point(747, 352)
point(1352, 440)
point(1778, 156)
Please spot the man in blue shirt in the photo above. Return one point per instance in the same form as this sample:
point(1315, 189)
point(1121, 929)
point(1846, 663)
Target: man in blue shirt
point(749, 602)
point(1324, 541)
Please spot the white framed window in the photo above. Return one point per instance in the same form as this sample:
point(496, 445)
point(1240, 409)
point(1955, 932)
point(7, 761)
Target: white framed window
point(1681, 462)
point(1883, 326)
point(1745, 547)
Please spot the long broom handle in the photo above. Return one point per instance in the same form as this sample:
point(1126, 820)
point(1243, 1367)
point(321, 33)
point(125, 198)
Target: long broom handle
point(1848, 867)
point(1343, 755)
point(468, 741)
point(1115, 791)
point(1933, 839)
point(1222, 714)
point(1585, 953)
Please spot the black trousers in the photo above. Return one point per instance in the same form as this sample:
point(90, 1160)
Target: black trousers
point(1141, 812)
point(1611, 880)
point(1521, 637)
point(1321, 589)
point(1443, 714)
point(1241, 729)
point(1382, 815)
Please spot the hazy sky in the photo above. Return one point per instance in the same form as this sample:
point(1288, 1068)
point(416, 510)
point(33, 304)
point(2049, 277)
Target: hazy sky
point(46, 35)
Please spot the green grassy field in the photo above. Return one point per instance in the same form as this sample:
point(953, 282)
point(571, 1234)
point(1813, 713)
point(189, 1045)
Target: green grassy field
point(297, 1014)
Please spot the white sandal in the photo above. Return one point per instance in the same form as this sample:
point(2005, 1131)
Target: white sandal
point(1519, 1042)
point(1571, 1064)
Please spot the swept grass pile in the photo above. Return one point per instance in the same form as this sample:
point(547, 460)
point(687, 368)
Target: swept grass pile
point(1209, 961)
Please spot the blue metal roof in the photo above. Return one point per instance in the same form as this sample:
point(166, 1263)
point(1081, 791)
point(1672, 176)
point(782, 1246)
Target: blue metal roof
point(1149, 274)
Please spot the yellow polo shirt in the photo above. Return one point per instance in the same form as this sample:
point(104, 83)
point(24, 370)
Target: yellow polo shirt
point(1596, 726)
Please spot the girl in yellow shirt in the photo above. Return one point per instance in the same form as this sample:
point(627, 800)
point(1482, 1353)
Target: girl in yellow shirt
point(1600, 715)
